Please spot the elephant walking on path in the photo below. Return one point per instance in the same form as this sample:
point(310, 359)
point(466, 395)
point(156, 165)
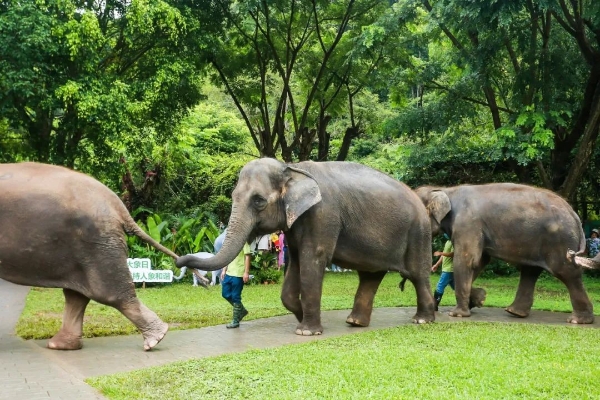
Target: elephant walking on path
point(64, 229)
point(529, 227)
point(340, 212)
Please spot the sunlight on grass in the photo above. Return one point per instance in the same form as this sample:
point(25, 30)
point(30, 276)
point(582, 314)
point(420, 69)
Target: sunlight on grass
point(434, 361)
point(185, 307)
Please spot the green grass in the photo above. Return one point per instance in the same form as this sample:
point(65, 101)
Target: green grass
point(185, 307)
point(433, 361)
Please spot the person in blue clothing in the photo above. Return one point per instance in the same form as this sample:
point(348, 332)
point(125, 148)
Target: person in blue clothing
point(233, 278)
point(447, 276)
point(593, 244)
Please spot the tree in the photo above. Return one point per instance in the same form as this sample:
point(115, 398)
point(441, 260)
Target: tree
point(533, 65)
point(293, 66)
point(80, 78)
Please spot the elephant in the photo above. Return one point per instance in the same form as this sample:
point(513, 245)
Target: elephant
point(583, 262)
point(529, 227)
point(340, 212)
point(64, 229)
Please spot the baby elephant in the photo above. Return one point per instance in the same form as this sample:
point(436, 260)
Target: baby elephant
point(64, 229)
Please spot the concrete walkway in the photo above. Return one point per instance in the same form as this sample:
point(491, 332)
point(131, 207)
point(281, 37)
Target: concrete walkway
point(30, 371)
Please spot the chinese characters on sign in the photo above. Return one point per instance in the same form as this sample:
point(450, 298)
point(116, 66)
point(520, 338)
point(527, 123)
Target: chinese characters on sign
point(141, 271)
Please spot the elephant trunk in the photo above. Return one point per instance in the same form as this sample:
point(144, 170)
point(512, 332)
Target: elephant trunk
point(584, 262)
point(238, 232)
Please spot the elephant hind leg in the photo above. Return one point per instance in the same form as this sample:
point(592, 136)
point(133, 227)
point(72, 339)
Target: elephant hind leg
point(583, 310)
point(69, 337)
point(363, 300)
point(521, 306)
point(153, 329)
point(119, 292)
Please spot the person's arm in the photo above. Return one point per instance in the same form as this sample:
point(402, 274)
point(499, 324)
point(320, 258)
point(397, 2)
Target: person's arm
point(247, 263)
point(223, 272)
point(441, 253)
point(437, 264)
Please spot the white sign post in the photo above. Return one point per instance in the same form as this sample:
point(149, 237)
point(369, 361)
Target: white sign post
point(141, 271)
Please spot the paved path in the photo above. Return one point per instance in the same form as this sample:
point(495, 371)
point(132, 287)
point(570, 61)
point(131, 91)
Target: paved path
point(30, 371)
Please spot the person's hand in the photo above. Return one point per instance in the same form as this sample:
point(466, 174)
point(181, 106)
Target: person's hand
point(434, 268)
point(437, 253)
point(222, 275)
point(246, 277)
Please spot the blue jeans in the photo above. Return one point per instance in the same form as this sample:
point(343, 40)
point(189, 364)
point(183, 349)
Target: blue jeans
point(231, 288)
point(447, 278)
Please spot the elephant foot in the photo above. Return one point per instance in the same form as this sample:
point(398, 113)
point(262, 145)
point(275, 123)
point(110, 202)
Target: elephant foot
point(578, 319)
point(516, 312)
point(477, 298)
point(65, 341)
point(355, 320)
point(423, 319)
point(305, 330)
point(154, 335)
point(457, 312)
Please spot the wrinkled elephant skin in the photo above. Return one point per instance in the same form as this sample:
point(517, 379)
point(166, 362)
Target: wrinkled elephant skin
point(528, 227)
point(347, 213)
point(64, 229)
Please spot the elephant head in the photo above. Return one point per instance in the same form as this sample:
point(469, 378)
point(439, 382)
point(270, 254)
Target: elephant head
point(269, 196)
point(437, 204)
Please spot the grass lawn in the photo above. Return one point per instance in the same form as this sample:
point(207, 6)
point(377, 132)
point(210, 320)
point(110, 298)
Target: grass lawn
point(433, 361)
point(184, 306)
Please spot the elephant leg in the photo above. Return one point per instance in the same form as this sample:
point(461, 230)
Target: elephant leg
point(312, 262)
point(153, 329)
point(469, 261)
point(69, 337)
point(119, 292)
point(363, 300)
point(290, 291)
point(521, 306)
point(478, 295)
point(583, 310)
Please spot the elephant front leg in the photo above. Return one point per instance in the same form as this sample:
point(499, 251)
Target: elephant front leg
point(363, 300)
point(521, 306)
point(69, 337)
point(311, 288)
point(463, 278)
point(290, 291)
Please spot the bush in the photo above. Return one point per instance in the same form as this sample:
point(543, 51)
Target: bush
point(263, 268)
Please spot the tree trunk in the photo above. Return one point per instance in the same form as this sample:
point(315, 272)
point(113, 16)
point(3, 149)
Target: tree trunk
point(351, 133)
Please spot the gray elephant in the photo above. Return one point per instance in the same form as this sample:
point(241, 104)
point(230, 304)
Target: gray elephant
point(529, 227)
point(340, 212)
point(64, 229)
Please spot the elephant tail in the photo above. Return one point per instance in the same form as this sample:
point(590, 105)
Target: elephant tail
point(402, 283)
point(131, 228)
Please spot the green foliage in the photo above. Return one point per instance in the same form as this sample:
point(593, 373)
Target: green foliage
point(264, 269)
point(78, 78)
point(182, 234)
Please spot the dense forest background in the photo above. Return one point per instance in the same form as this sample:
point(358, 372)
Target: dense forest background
point(165, 100)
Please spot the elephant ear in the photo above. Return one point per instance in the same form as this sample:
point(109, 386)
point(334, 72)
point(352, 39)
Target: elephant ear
point(300, 193)
point(439, 205)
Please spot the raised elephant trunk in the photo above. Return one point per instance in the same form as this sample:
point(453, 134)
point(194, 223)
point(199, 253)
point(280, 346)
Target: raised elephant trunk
point(238, 232)
point(584, 262)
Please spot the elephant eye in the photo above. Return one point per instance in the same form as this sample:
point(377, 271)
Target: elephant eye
point(259, 202)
